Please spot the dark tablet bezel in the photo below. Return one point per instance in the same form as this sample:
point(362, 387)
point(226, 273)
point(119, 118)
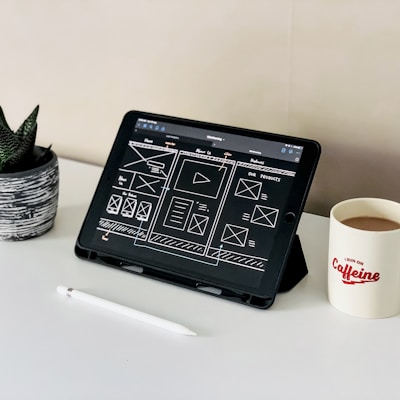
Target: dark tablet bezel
point(261, 296)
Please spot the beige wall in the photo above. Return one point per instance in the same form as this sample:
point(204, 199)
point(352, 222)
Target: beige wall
point(322, 69)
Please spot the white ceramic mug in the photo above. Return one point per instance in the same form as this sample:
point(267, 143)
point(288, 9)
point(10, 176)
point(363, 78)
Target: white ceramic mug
point(364, 265)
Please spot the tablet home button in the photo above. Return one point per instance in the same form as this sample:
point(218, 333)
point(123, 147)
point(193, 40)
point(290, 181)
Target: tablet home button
point(290, 217)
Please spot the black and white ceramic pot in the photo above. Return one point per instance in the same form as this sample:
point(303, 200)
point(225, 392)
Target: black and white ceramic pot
point(29, 199)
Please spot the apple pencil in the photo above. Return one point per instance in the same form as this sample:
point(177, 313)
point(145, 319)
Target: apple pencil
point(127, 311)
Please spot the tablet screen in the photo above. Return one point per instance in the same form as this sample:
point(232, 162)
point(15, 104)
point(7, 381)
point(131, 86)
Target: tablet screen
point(215, 204)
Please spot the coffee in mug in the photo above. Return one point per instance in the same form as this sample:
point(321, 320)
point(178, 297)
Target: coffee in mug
point(371, 223)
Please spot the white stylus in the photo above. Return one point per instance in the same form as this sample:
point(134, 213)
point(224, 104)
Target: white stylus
point(127, 311)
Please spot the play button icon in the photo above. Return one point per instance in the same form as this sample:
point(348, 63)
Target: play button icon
point(200, 178)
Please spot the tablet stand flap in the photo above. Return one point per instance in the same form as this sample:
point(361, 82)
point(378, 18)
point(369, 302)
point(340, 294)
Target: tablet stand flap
point(296, 267)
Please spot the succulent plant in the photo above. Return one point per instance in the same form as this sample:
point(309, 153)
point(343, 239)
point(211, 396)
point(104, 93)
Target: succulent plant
point(17, 148)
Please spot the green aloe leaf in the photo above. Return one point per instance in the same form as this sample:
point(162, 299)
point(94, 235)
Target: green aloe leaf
point(9, 144)
point(3, 121)
point(29, 124)
point(16, 149)
point(23, 153)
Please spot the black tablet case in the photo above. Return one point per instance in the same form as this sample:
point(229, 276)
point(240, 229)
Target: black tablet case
point(288, 273)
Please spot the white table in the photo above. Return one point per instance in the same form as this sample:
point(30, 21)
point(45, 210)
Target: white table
point(56, 348)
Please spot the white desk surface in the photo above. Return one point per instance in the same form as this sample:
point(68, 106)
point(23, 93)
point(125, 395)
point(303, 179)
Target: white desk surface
point(56, 348)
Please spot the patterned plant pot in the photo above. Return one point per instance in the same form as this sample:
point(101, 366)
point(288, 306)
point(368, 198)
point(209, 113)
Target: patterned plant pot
point(28, 200)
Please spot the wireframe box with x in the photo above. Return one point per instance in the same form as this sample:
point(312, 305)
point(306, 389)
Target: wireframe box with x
point(266, 216)
point(248, 189)
point(236, 235)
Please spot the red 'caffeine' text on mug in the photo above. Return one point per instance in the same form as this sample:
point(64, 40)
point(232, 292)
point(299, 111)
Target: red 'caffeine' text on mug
point(351, 275)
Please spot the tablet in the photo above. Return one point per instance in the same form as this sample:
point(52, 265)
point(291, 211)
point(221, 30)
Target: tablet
point(205, 206)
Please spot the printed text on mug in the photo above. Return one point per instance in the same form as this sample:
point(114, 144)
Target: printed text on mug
point(352, 275)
